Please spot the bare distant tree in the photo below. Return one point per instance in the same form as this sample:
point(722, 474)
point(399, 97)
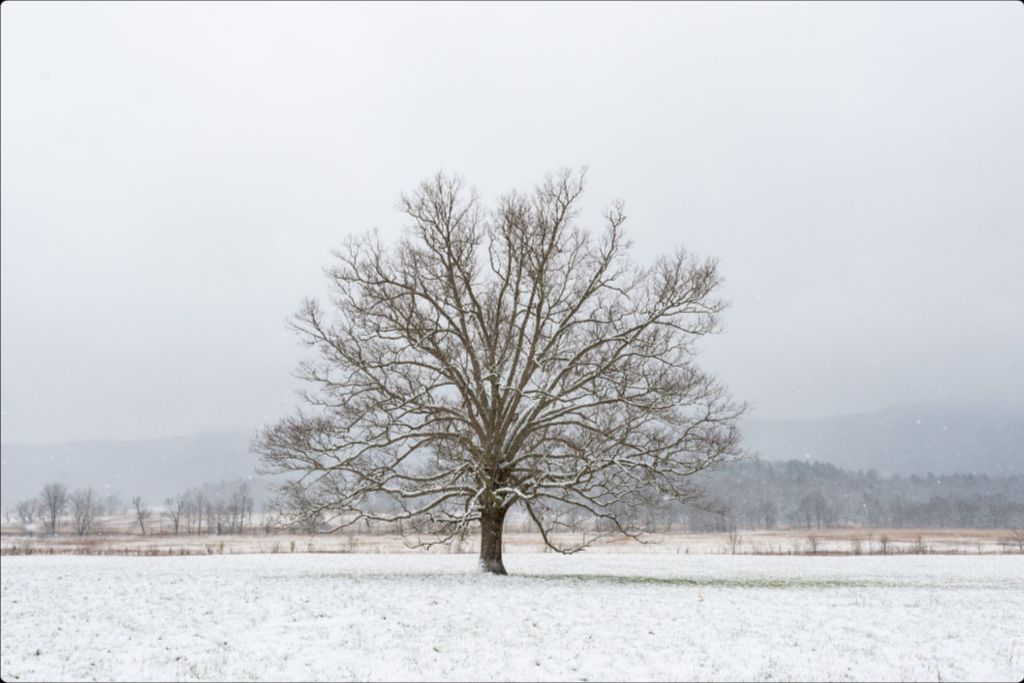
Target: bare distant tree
point(1017, 537)
point(53, 502)
point(502, 358)
point(733, 537)
point(174, 507)
point(884, 541)
point(84, 507)
point(26, 511)
point(200, 505)
point(141, 513)
point(812, 544)
point(919, 547)
point(215, 515)
point(242, 507)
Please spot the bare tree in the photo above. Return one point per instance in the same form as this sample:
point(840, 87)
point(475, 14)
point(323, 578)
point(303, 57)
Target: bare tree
point(141, 513)
point(174, 508)
point(884, 541)
point(734, 537)
point(26, 511)
point(500, 358)
point(812, 544)
point(920, 548)
point(1017, 538)
point(84, 507)
point(200, 503)
point(53, 502)
point(242, 505)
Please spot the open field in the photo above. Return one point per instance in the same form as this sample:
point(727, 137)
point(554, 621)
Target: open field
point(585, 617)
point(779, 542)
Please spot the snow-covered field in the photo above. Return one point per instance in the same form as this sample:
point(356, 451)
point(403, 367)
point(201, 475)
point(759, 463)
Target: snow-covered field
point(585, 617)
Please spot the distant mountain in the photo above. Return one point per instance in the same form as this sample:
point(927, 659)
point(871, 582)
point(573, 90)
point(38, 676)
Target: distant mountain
point(910, 440)
point(941, 439)
point(154, 469)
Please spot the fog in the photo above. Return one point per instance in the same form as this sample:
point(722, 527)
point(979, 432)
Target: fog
point(173, 178)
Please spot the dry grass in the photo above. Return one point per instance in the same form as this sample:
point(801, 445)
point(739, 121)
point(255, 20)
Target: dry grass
point(779, 542)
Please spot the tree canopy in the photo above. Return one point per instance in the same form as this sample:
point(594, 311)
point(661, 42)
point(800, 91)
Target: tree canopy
point(503, 357)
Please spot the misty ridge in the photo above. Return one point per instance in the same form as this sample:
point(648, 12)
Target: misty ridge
point(941, 466)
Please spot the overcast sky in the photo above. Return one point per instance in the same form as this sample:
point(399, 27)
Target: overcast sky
point(173, 178)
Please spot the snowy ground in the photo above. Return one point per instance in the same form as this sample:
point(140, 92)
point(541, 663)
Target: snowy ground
point(585, 617)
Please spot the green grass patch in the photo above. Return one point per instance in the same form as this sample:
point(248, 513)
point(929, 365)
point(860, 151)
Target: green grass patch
point(713, 582)
point(766, 582)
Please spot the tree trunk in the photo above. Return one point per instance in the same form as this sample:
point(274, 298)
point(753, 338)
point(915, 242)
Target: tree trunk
point(491, 524)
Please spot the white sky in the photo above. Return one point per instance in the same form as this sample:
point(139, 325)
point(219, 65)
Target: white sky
point(173, 177)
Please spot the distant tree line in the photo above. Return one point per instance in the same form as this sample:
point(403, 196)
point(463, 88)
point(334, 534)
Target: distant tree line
point(209, 510)
point(754, 494)
point(749, 494)
point(59, 510)
point(225, 508)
